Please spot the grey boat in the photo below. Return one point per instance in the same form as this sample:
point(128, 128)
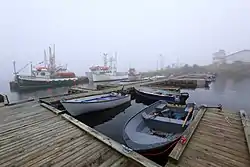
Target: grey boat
point(157, 128)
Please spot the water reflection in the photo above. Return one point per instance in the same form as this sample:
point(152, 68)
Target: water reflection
point(97, 118)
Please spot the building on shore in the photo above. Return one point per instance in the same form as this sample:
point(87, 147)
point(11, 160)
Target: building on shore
point(220, 57)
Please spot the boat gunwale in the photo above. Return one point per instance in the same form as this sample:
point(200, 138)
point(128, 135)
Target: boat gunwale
point(161, 95)
point(86, 102)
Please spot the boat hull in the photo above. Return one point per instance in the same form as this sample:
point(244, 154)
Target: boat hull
point(76, 109)
point(23, 84)
point(104, 77)
point(142, 131)
point(169, 99)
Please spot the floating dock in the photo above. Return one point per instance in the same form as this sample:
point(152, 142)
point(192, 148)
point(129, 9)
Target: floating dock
point(33, 134)
point(37, 134)
point(214, 138)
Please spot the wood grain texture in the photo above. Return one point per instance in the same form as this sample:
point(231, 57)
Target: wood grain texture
point(37, 135)
point(218, 141)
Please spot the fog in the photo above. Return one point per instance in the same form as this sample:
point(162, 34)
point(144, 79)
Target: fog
point(138, 30)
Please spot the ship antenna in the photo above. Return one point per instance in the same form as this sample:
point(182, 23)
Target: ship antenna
point(45, 58)
point(105, 59)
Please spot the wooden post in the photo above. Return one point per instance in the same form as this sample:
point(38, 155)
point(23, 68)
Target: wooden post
point(246, 125)
point(54, 110)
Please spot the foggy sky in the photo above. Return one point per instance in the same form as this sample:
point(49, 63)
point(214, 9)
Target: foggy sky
point(139, 30)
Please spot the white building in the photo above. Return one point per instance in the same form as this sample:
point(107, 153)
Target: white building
point(220, 57)
point(243, 56)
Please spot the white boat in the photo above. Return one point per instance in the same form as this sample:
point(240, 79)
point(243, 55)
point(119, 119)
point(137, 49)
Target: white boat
point(94, 103)
point(106, 73)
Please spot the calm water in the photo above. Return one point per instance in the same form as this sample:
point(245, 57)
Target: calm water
point(231, 94)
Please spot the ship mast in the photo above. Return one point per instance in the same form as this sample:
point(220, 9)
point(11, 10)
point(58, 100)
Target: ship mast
point(45, 58)
point(105, 59)
point(52, 65)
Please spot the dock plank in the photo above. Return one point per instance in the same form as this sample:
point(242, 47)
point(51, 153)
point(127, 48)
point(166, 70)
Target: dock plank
point(217, 141)
point(32, 135)
point(246, 126)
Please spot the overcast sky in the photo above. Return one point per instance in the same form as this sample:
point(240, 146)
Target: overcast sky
point(139, 30)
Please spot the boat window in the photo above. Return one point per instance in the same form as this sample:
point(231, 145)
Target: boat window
point(42, 73)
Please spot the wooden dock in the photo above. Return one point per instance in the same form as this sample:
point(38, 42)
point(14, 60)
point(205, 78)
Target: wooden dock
point(82, 92)
point(37, 134)
point(33, 134)
point(215, 138)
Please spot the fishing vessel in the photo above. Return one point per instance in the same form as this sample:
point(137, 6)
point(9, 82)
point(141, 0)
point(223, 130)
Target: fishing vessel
point(45, 75)
point(94, 103)
point(156, 129)
point(133, 75)
point(106, 72)
point(159, 94)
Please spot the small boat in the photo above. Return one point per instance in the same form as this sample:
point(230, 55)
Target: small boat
point(158, 127)
point(94, 103)
point(158, 94)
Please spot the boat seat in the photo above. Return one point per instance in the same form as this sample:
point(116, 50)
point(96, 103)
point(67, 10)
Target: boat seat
point(161, 107)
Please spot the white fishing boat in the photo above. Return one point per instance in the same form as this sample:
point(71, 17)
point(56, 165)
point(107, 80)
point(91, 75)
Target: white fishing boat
point(106, 72)
point(133, 75)
point(94, 103)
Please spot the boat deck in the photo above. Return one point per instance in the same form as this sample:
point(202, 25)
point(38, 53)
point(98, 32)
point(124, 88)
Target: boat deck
point(33, 134)
point(219, 139)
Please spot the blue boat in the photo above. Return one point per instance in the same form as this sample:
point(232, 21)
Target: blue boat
point(157, 94)
point(156, 129)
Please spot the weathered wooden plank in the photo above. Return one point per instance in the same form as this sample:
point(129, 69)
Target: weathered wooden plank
point(218, 145)
point(112, 158)
point(18, 106)
point(70, 150)
point(92, 156)
point(120, 162)
point(27, 131)
point(40, 134)
point(7, 151)
point(225, 123)
point(246, 126)
point(30, 153)
point(192, 159)
point(72, 157)
point(215, 157)
point(97, 158)
point(21, 115)
point(56, 151)
point(54, 110)
point(220, 139)
point(133, 155)
point(21, 101)
point(9, 128)
point(223, 130)
point(179, 148)
point(37, 132)
point(209, 148)
point(217, 115)
point(44, 151)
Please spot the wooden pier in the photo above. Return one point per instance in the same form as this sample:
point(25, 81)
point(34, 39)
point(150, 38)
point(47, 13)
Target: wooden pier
point(33, 134)
point(214, 138)
point(36, 134)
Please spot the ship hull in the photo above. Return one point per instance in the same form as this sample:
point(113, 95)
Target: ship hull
point(33, 84)
point(105, 78)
